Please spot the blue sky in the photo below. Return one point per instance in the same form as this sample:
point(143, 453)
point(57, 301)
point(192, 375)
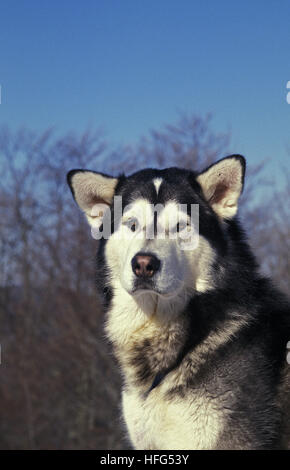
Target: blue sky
point(130, 66)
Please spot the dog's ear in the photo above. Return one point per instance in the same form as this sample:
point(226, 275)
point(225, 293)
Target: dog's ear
point(222, 183)
point(93, 192)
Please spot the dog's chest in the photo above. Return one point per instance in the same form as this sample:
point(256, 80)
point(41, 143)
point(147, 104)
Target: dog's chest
point(156, 422)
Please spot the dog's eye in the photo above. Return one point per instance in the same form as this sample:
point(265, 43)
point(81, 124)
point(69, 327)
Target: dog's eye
point(180, 226)
point(132, 224)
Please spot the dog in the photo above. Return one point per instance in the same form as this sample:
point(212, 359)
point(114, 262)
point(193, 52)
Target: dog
point(199, 333)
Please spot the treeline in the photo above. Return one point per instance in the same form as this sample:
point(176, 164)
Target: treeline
point(59, 386)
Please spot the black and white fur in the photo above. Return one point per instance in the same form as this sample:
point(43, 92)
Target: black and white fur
point(202, 343)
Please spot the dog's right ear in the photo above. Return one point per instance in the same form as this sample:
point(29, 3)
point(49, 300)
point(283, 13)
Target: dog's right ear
point(93, 192)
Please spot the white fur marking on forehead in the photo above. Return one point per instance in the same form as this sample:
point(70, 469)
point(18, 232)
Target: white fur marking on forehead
point(144, 210)
point(157, 183)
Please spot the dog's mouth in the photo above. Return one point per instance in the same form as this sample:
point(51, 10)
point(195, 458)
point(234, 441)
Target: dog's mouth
point(143, 285)
point(149, 287)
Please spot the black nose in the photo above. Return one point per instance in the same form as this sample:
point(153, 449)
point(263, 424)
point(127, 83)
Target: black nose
point(145, 265)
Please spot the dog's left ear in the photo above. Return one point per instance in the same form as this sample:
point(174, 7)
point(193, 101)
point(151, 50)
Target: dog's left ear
point(222, 183)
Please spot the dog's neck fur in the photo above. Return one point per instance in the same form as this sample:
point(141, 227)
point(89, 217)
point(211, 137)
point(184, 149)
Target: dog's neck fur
point(148, 334)
point(141, 331)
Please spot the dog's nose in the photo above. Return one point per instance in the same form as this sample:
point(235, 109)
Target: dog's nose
point(145, 265)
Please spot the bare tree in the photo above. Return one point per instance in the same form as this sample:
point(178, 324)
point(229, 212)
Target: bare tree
point(54, 360)
point(59, 387)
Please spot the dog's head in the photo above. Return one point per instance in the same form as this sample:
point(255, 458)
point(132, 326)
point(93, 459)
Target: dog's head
point(161, 230)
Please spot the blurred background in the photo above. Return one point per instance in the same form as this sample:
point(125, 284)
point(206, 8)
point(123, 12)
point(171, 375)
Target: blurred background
point(116, 86)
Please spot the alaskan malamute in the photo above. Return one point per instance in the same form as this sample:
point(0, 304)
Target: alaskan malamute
point(199, 334)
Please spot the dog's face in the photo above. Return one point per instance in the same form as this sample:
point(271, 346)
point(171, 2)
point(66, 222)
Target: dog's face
point(149, 249)
point(157, 225)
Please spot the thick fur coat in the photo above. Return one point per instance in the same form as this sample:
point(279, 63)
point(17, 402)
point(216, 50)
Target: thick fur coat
point(199, 333)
